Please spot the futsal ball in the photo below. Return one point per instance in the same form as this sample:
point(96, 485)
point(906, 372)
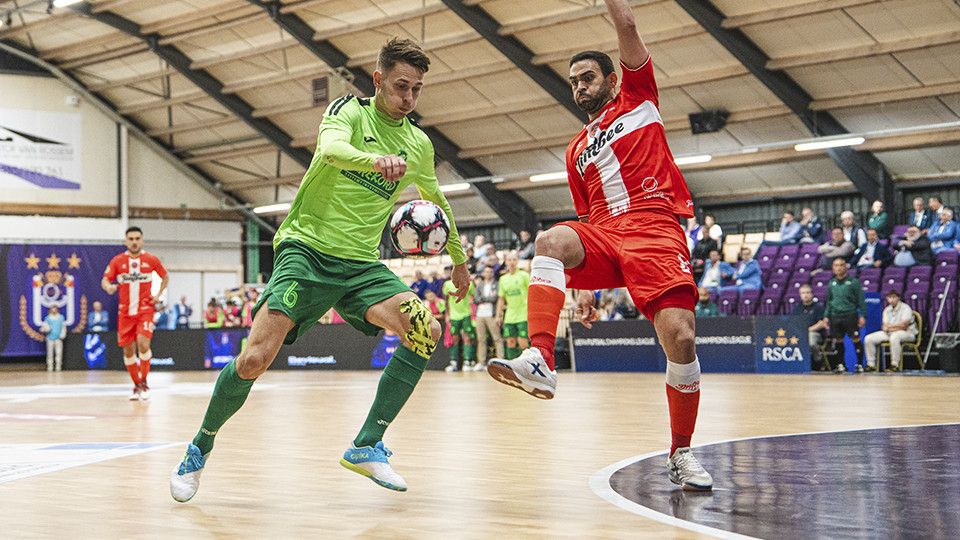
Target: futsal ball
point(419, 229)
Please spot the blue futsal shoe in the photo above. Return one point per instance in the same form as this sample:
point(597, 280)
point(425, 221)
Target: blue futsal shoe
point(372, 462)
point(185, 477)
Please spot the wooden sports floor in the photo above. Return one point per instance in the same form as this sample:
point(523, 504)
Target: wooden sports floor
point(481, 460)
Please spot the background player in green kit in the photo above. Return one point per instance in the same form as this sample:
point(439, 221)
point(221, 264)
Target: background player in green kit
point(513, 297)
point(325, 255)
point(462, 331)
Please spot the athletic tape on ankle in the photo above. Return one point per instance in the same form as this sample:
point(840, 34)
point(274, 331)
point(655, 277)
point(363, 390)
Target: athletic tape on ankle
point(145, 356)
point(419, 335)
point(548, 271)
point(684, 377)
point(129, 360)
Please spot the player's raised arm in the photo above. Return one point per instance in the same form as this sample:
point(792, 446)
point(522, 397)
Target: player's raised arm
point(334, 147)
point(633, 53)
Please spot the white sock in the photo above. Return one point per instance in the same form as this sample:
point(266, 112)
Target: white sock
point(684, 377)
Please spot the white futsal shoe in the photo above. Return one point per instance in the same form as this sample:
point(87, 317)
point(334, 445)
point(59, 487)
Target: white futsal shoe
point(528, 372)
point(135, 394)
point(185, 477)
point(686, 472)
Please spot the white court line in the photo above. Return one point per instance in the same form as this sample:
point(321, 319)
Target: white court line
point(600, 482)
point(14, 416)
point(19, 461)
point(26, 394)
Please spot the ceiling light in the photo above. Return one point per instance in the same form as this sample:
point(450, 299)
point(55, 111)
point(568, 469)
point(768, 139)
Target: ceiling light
point(687, 160)
point(271, 208)
point(831, 143)
point(447, 188)
point(62, 3)
point(548, 176)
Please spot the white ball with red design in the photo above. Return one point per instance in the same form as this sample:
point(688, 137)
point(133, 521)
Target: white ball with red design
point(419, 229)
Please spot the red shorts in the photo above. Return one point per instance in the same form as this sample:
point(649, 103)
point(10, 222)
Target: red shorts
point(646, 252)
point(131, 326)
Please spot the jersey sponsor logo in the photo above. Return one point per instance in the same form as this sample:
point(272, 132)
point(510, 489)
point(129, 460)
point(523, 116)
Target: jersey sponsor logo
point(373, 181)
point(599, 140)
point(134, 277)
point(650, 184)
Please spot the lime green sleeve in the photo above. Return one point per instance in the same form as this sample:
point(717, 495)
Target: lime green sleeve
point(429, 189)
point(336, 130)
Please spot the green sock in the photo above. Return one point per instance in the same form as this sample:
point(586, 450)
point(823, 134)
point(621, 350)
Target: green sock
point(469, 353)
point(454, 353)
point(228, 396)
point(512, 352)
point(399, 378)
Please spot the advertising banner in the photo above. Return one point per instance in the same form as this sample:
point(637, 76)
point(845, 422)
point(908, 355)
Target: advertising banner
point(782, 345)
point(40, 150)
point(629, 345)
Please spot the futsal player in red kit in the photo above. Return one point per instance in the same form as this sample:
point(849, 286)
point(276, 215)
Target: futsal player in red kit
point(133, 270)
point(628, 193)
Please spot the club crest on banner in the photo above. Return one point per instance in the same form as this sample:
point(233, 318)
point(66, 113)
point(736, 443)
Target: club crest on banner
point(52, 287)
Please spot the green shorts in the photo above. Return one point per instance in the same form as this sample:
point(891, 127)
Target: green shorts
point(512, 330)
point(463, 326)
point(306, 283)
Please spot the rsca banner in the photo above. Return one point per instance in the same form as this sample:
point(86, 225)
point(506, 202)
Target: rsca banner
point(783, 345)
point(39, 150)
point(35, 277)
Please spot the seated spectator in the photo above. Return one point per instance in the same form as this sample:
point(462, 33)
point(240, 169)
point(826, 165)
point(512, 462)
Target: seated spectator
point(471, 260)
point(621, 302)
point(921, 217)
point(838, 246)
point(491, 261)
point(811, 229)
point(713, 230)
point(694, 233)
point(878, 220)
point(913, 249)
point(937, 208)
point(812, 313)
point(213, 316)
point(851, 232)
point(419, 284)
point(232, 312)
point(701, 252)
point(480, 247)
point(712, 269)
point(747, 275)
point(790, 231)
point(872, 253)
point(706, 308)
point(98, 320)
point(525, 246)
point(899, 326)
point(942, 234)
point(845, 312)
point(435, 284)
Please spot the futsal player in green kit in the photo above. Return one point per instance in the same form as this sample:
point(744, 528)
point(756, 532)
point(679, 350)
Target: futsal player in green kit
point(513, 297)
point(325, 255)
point(462, 331)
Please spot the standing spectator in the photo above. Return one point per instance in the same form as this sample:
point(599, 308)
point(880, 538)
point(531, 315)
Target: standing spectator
point(98, 319)
point(747, 274)
point(436, 305)
point(471, 261)
point(790, 231)
point(812, 313)
point(56, 330)
point(811, 229)
point(851, 232)
point(694, 233)
point(838, 246)
point(213, 316)
point(913, 249)
point(921, 217)
point(486, 297)
point(878, 220)
point(872, 253)
point(701, 253)
point(713, 230)
point(525, 246)
point(491, 261)
point(440, 282)
point(419, 284)
point(480, 247)
point(161, 318)
point(899, 326)
point(937, 208)
point(133, 271)
point(712, 270)
point(705, 308)
point(435, 284)
point(512, 307)
point(182, 313)
point(845, 312)
point(942, 234)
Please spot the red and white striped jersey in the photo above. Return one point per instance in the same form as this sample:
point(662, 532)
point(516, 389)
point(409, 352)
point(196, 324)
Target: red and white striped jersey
point(134, 276)
point(620, 162)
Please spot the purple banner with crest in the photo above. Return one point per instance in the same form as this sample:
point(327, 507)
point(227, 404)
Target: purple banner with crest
point(37, 276)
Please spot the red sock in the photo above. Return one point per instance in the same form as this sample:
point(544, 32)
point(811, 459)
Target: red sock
point(543, 315)
point(683, 416)
point(144, 369)
point(134, 370)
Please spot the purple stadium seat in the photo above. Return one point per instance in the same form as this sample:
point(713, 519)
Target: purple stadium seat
point(802, 274)
point(822, 279)
point(727, 303)
point(916, 300)
point(780, 272)
point(749, 299)
point(939, 280)
point(714, 295)
point(947, 257)
point(782, 264)
point(900, 230)
point(922, 272)
point(870, 285)
point(778, 282)
point(807, 260)
point(789, 302)
point(820, 293)
point(853, 272)
point(870, 273)
point(766, 256)
point(788, 252)
point(947, 315)
point(770, 302)
point(898, 273)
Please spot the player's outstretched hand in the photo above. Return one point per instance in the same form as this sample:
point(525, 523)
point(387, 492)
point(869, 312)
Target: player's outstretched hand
point(586, 308)
point(461, 280)
point(391, 167)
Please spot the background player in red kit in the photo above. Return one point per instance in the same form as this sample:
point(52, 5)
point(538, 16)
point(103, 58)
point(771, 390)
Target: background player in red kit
point(133, 271)
point(628, 193)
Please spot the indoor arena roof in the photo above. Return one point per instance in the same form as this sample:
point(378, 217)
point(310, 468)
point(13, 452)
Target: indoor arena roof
point(228, 86)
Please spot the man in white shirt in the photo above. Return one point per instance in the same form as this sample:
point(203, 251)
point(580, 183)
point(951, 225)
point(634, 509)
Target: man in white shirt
point(898, 326)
